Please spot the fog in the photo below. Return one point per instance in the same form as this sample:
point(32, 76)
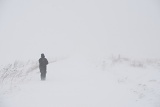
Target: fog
point(85, 27)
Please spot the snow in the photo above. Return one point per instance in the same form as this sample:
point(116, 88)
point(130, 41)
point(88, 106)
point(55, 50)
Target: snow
point(77, 38)
point(76, 82)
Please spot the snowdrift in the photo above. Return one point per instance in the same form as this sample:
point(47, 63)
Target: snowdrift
point(79, 82)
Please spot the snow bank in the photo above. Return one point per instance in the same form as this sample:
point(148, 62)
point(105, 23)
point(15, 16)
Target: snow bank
point(140, 77)
point(76, 82)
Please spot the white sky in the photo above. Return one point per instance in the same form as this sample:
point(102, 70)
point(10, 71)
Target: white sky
point(89, 27)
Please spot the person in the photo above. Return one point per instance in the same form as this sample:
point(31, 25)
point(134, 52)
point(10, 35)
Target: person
point(43, 62)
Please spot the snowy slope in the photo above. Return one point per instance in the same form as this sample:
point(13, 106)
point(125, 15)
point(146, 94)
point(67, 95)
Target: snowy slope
point(74, 82)
point(92, 29)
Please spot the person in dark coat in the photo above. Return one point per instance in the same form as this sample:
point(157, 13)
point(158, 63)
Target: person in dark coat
point(43, 66)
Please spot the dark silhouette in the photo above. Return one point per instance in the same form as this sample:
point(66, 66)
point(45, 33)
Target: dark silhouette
point(43, 66)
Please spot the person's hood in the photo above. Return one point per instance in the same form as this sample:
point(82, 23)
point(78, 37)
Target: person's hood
point(42, 56)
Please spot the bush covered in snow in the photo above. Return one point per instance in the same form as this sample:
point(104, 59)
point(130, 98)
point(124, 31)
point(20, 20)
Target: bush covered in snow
point(15, 73)
point(18, 72)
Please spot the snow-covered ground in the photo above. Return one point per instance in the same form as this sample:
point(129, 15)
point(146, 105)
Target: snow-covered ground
point(79, 82)
point(79, 33)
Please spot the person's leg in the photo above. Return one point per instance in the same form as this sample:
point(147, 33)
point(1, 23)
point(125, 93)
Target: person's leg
point(43, 73)
point(41, 76)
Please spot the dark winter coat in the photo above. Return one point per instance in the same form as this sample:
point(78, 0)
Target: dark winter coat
point(43, 63)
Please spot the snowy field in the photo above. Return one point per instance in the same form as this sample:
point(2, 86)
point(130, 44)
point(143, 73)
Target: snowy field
point(79, 82)
point(105, 53)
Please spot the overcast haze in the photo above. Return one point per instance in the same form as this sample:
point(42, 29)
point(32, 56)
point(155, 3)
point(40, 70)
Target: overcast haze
point(89, 27)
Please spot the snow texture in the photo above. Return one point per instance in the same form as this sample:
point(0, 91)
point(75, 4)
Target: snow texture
point(76, 82)
point(77, 36)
